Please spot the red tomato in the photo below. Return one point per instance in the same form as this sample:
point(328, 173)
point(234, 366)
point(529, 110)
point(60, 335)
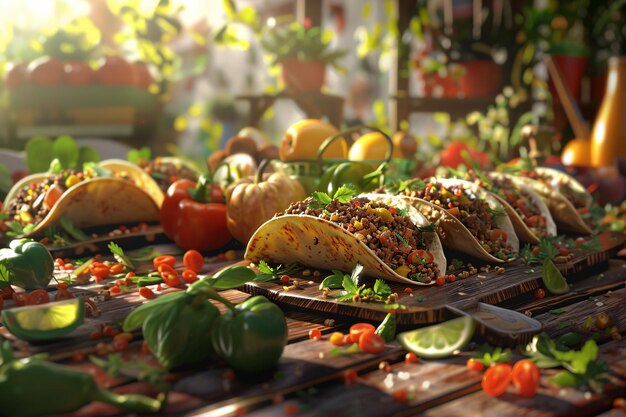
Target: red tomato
point(411, 358)
point(172, 279)
point(79, 73)
point(475, 365)
point(46, 71)
point(116, 268)
point(7, 293)
point(19, 299)
point(526, 377)
point(63, 294)
point(163, 259)
point(146, 292)
point(497, 379)
point(457, 153)
point(370, 342)
point(418, 256)
point(115, 70)
point(189, 276)
point(497, 234)
point(315, 334)
point(143, 78)
point(193, 260)
point(16, 75)
point(454, 211)
point(356, 330)
point(39, 296)
point(193, 224)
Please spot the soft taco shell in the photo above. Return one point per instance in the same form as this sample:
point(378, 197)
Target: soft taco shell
point(559, 177)
point(522, 231)
point(455, 235)
point(138, 176)
point(563, 211)
point(322, 244)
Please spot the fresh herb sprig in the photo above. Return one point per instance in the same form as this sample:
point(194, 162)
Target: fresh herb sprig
point(270, 273)
point(489, 355)
point(343, 195)
point(352, 291)
point(118, 254)
point(399, 187)
point(582, 367)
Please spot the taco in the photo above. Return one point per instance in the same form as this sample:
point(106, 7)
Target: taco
point(110, 193)
point(391, 239)
point(567, 199)
point(529, 214)
point(469, 219)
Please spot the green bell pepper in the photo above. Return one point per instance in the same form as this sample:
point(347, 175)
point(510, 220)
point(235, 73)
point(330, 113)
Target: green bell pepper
point(176, 327)
point(29, 263)
point(360, 174)
point(387, 329)
point(251, 336)
point(33, 387)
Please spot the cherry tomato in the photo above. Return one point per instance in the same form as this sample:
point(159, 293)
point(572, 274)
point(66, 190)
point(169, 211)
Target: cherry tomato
point(119, 345)
point(285, 279)
point(172, 279)
point(350, 376)
point(78, 73)
point(193, 260)
point(189, 276)
point(526, 377)
point(451, 278)
point(475, 365)
point(497, 379)
point(46, 71)
point(400, 395)
point(115, 70)
point(165, 269)
point(315, 334)
point(291, 409)
point(146, 292)
point(39, 296)
point(356, 330)
point(419, 256)
point(116, 269)
point(540, 293)
point(370, 342)
point(411, 358)
point(336, 339)
point(63, 294)
point(440, 280)
point(7, 293)
point(164, 259)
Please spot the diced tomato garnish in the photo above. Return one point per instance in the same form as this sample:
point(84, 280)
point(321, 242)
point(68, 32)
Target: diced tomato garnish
point(164, 259)
point(39, 296)
point(146, 292)
point(498, 234)
point(193, 260)
point(454, 212)
point(370, 342)
point(356, 330)
point(189, 276)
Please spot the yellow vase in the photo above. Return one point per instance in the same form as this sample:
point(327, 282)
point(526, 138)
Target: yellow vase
point(609, 129)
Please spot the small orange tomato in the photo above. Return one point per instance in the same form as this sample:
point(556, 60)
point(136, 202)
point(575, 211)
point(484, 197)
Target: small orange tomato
point(315, 334)
point(193, 260)
point(526, 377)
point(411, 358)
point(117, 269)
point(189, 276)
point(39, 296)
point(497, 379)
point(146, 292)
point(163, 259)
point(356, 330)
point(475, 365)
point(336, 339)
point(370, 342)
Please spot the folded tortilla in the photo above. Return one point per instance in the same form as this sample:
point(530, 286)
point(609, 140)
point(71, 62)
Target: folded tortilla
point(100, 201)
point(454, 234)
point(320, 243)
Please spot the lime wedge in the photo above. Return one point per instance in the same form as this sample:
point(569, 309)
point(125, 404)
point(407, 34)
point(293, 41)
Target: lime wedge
point(440, 340)
point(553, 279)
point(45, 321)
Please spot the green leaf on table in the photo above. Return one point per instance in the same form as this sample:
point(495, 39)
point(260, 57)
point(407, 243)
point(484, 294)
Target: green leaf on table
point(5, 276)
point(270, 273)
point(381, 289)
point(72, 230)
point(38, 154)
point(340, 351)
point(118, 254)
point(66, 151)
point(334, 281)
point(232, 277)
point(139, 155)
point(489, 355)
point(566, 379)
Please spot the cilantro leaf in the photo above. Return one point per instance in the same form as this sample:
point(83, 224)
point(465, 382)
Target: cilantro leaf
point(5, 276)
point(489, 355)
point(333, 281)
point(268, 273)
point(345, 193)
point(322, 198)
point(381, 288)
point(349, 285)
point(118, 254)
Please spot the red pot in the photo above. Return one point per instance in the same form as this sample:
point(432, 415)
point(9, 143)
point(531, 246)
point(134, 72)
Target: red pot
point(482, 78)
point(572, 69)
point(300, 76)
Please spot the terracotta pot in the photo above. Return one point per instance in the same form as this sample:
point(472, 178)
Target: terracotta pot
point(482, 78)
point(300, 76)
point(572, 69)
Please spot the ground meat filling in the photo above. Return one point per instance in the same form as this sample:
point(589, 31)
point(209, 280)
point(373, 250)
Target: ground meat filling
point(523, 204)
point(33, 202)
point(388, 232)
point(474, 213)
point(166, 173)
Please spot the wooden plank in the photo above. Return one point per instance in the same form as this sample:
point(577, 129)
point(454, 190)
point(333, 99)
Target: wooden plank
point(429, 304)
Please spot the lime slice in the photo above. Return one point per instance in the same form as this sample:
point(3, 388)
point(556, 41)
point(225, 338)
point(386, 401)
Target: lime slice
point(553, 279)
point(45, 321)
point(440, 340)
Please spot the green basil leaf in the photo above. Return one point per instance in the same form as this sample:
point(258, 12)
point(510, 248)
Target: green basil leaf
point(334, 281)
point(137, 316)
point(232, 277)
point(566, 379)
point(66, 151)
point(348, 285)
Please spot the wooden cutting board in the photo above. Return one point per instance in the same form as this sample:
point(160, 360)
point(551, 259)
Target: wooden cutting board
point(431, 304)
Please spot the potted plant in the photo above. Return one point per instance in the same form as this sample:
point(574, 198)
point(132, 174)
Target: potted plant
point(302, 53)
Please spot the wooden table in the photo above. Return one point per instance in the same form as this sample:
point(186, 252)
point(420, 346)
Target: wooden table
point(310, 382)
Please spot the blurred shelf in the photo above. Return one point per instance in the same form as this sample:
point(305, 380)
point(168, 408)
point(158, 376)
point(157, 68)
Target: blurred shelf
point(116, 112)
point(314, 104)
